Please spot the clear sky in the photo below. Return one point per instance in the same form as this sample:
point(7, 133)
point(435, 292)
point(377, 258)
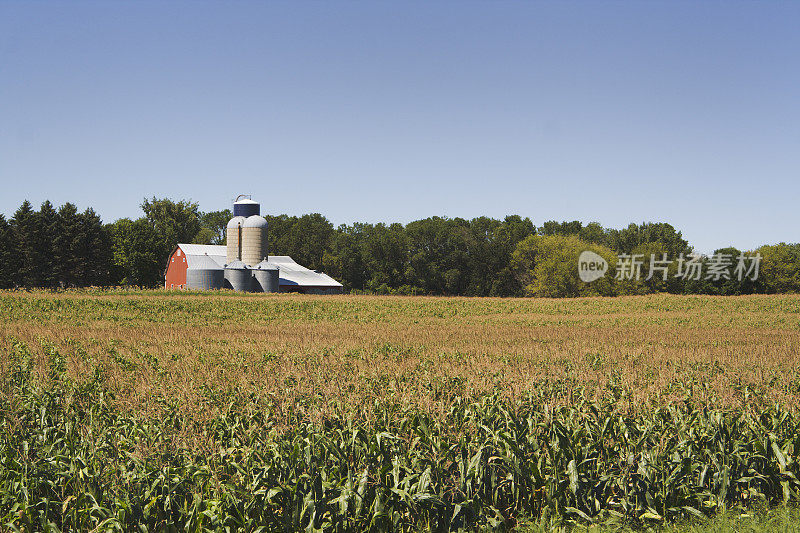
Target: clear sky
point(615, 112)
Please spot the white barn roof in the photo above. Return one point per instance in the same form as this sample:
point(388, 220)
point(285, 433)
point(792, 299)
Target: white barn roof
point(291, 273)
point(196, 251)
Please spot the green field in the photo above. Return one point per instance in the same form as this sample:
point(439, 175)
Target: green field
point(156, 410)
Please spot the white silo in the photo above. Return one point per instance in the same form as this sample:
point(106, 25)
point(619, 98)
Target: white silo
point(254, 240)
point(234, 239)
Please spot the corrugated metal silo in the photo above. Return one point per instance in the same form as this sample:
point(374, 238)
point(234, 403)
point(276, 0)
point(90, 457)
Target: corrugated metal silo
point(266, 277)
point(204, 273)
point(238, 276)
point(245, 207)
point(233, 234)
point(254, 240)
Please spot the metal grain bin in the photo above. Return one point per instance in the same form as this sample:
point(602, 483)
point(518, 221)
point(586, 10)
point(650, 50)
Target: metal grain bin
point(204, 273)
point(238, 276)
point(245, 207)
point(233, 234)
point(266, 277)
point(254, 240)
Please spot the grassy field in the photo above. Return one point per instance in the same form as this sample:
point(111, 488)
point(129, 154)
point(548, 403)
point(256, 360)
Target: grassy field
point(353, 412)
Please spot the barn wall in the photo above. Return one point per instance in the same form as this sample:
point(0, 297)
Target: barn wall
point(176, 270)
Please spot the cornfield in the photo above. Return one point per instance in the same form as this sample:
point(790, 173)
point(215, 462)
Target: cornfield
point(159, 412)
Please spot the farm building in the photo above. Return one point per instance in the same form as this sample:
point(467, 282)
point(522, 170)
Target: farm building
point(243, 264)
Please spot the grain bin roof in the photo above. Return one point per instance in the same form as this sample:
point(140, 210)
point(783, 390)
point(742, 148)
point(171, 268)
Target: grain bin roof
point(201, 262)
point(265, 265)
point(236, 265)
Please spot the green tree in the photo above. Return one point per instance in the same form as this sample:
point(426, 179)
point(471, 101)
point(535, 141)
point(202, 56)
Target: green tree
point(344, 260)
point(27, 234)
point(624, 241)
point(69, 265)
point(172, 222)
point(384, 250)
point(547, 266)
point(725, 284)
point(8, 255)
point(654, 257)
point(482, 254)
point(213, 225)
point(305, 238)
point(438, 255)
point(45, 234)
point(728, 282)
point(779, 269)
point(551, 227)
point(135, 257)
point(594, 233)
point(94, 250)
point(507, 236)
point(205, 236)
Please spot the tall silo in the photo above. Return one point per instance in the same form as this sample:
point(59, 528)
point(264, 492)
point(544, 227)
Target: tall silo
point(254, 240)
point(233, 235)
point(266, 277)
point(238, 276)
point(204, 273)
point(245, 207)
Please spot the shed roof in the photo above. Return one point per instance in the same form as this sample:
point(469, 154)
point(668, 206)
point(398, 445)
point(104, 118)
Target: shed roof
point(292, 273)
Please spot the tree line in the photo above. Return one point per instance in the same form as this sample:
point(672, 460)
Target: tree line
point(483, 256)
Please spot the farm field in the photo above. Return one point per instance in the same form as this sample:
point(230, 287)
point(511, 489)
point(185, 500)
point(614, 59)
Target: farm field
point(337, 413)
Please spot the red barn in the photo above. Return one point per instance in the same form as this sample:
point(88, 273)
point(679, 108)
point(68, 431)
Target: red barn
point(175, 276)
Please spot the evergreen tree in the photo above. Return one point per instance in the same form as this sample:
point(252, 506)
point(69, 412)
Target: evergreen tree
point(93, 250)
point(25, 232)
point(8, 255)
point(45, 232)
point(67, 264)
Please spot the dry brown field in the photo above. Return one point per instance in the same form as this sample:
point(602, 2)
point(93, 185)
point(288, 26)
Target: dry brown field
point(317, 354)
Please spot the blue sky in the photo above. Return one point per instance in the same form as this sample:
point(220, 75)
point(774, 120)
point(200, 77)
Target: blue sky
point(615, 112)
